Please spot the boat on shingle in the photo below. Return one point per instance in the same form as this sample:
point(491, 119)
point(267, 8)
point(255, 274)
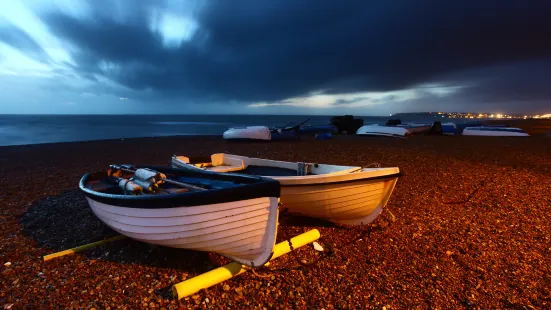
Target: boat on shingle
point(232, 215)
point(383, 131)
point(496, 131)
point(342, 194)
point(251, 133)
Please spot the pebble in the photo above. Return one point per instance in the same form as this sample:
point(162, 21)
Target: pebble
point(317, 247)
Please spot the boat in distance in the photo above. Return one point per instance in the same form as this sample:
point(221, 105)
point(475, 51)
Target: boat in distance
point(416, 128)
point(349, 195)
point(289, 132)
point(232, 215)
point(383, 131)
point(248, 132)
point(494, 131)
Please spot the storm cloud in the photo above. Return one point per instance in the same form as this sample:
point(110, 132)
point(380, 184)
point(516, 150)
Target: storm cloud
point(19, 39)
point(269, 51)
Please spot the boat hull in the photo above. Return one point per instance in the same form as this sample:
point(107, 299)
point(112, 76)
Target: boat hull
point(354, 202)
point(248, 133)
point(244, 231)
point(350, 195)
point(232, 215)
point(416, 128)
point(383, 131)
point(494, 132)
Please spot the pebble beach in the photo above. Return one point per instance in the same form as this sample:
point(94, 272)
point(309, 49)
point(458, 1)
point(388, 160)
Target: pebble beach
point(468, 226)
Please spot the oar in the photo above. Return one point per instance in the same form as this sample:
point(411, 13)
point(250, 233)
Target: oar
point(181, 184)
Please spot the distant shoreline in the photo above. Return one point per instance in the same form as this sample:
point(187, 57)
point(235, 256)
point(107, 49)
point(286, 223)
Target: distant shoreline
point(38, 132)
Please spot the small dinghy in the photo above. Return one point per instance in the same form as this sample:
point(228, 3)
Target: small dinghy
point(248, 133)
point(416, 128)
point(494, 131)
point(263, 133)
point(341, 194)
point(384, 131)
point(232, 215)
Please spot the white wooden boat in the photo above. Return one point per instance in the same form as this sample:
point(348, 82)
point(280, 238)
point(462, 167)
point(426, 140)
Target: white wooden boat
point(248, 132)
point(341, 194)
point(263, 133)
point(232, 215)
point(494, 131)
point(385, 131)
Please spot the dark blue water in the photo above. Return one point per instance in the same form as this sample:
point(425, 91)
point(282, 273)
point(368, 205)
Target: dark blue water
point(32, 129)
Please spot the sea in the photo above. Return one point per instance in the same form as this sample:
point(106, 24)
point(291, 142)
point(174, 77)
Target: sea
point(36, 129)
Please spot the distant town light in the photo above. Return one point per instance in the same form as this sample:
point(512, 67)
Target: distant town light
point(486, 115)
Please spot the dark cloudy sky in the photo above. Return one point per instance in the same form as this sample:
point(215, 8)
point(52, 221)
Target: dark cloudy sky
point(369, 57)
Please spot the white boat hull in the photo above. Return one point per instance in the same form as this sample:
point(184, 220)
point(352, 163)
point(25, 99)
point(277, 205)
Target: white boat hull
point(385, 131)
point(341, 194)
point(351, 203)
point(251, 132)
point(494, 132)
point(244, 231)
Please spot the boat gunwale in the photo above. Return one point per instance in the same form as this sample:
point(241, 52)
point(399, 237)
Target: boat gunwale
point(309, 180)
point(380, 177)
point(259, 187)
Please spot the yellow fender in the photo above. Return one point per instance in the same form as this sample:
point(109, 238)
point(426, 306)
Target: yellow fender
point(221, 274)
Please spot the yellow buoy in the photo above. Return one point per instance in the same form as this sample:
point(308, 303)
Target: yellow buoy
point(82, 248)
point(221, 274)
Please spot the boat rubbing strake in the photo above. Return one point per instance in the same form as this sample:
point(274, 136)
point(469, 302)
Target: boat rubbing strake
point(232, 215)
point(342, 194)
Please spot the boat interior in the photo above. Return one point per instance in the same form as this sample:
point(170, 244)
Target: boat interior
point(117, 185)
point(263, 167)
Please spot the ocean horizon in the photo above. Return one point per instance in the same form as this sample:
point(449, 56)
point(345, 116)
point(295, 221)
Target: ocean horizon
point(23, 129)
